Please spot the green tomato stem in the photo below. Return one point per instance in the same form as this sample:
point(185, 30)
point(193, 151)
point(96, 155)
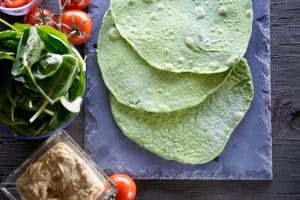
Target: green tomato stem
point(61, 10)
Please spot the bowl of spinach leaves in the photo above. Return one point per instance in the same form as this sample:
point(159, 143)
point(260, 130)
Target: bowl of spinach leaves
point(42, 81)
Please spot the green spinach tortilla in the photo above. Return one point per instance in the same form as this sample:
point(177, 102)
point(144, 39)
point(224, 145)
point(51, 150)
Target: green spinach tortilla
point(198, 36)
point(136, 84)
point(195, 135)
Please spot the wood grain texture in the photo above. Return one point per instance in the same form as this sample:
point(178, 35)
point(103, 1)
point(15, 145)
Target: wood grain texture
point(285, 46)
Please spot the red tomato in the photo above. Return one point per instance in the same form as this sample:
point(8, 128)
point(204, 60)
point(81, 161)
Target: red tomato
point(76, 4)
point(77, 25)
point(126, 188)
point(40, 16)
point(15, 3)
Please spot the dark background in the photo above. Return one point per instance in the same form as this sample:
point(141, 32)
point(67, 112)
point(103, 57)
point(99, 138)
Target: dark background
point(285, 67)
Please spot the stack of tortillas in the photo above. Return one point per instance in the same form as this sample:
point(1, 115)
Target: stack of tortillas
point(179, 83)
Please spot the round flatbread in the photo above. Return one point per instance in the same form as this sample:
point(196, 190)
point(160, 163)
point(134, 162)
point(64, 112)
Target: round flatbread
point(136, 84)
point(195, 135)
point(198, 36)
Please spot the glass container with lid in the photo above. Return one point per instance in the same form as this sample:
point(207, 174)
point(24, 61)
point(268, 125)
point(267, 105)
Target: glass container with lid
point(67, 168)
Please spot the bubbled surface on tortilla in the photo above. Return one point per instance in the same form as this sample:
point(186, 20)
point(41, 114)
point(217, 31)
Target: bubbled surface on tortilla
point(138, 85)
point(198, 36)
point(195, 135)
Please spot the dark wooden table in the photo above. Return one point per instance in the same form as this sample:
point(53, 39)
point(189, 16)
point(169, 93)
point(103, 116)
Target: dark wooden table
point(285, 45)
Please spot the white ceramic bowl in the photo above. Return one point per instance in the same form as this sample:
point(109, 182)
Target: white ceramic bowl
point(20, 10)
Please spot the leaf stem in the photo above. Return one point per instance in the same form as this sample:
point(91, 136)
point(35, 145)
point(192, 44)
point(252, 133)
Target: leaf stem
point(37, 86)
point(38, 132)
point(7, 24)
point(49, 112)
point(39, 112)
point(12, 114)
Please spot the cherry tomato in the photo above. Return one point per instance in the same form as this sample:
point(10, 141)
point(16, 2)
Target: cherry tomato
point(76, 4)
point(126, 188)
point(77, 25)
point(15, 3)
point(40, 16)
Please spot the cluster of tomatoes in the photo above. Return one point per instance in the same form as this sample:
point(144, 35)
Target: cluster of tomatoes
point(75, 22)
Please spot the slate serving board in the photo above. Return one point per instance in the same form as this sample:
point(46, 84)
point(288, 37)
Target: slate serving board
point(248, 154)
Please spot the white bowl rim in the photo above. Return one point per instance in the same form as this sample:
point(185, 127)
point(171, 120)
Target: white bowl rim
point(18, 8)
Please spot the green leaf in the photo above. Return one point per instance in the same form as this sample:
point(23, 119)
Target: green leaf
point(7, 56)
point(78, 87)
point(47, 66)
point(26, 82)
point(63, 79)
point(28, 103)
point(24, 130)
point(32, 85)
point(6, 121)
point(9, 40)
point(7, 102)
point(55, 41)
point(73, 99)
point(4, 81)
point(21, 89)
point(61, 116)
point(20, 27)
point(29, 51)
point(60, 83)
point(30, 129)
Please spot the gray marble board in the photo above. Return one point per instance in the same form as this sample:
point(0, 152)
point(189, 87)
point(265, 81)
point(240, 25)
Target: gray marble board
point(248, 154)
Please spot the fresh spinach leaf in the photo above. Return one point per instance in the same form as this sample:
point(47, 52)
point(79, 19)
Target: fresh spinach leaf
point(73, 99)
point(38, 69)
point(24, 130)
point(26, 81)
point(60, 83)
point(7, 102)
point(29, 51)
point(21, 90)
point(61, 116)
point(47, 66)
point(4, 80)
point(6, 120)
point(63, 79)
point(30, 130)
point(20, 27)
point(9, 40)
point(55, 41)
point(28, 103)
point(7, 56)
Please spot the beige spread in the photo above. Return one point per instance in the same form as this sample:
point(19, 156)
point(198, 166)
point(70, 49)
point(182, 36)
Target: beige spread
point(60, 174)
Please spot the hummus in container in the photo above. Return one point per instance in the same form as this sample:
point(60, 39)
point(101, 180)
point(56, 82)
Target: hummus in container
point(59, 170)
